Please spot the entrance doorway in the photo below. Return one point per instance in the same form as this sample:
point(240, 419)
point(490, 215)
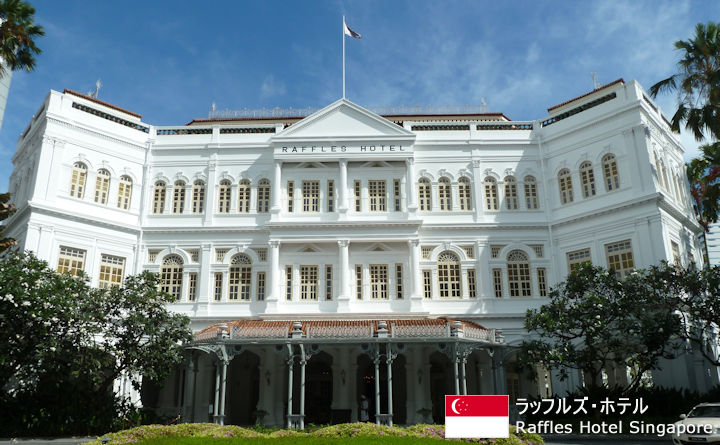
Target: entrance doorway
point(319, 389)
point(243, 389)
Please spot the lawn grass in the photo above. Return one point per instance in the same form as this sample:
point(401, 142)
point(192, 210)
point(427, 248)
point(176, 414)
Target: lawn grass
point(363, 440)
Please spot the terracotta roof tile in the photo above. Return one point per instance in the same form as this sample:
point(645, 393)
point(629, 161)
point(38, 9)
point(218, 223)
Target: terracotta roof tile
point(101, 102)
point(586, 94)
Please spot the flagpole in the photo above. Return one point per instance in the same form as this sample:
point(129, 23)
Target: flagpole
point(343, 37)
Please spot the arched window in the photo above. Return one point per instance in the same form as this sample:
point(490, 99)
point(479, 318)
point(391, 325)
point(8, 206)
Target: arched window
point(587, 178)
point(244, 196)
point(198, 196)
point(511, 193)
point(518, 266)
point(159, 197)
point(124, 192)
point(610, 170)
point(178, 197)
point(445, 194)
point(263, 196)
point(448, 275)
point(171, 275)
point(566, 190)
point(531, 196)
point(491, 194)
point(77, 180)
point(465, 193)
point(102, 186)
point(240, 277)
point(224, 192)
point(424, 194)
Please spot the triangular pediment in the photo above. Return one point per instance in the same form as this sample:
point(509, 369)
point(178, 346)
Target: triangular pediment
point(344, 119)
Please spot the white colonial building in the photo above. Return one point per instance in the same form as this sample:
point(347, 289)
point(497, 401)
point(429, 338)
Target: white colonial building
point(391, 257)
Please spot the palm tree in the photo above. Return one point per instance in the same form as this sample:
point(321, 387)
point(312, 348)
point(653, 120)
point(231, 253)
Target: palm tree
point(17, 31)
point(697, 83)
point(704, 176)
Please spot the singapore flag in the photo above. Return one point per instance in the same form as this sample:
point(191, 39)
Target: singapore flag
point(480, 417)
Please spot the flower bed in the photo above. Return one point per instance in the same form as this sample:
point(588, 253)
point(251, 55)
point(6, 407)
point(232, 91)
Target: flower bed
point(149, 433)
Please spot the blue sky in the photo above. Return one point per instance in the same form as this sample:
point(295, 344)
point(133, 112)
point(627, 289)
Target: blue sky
point(170, 60)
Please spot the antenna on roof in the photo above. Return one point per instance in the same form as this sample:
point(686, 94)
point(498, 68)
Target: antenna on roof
point(94, 94)
point(213, 107)
point(596, 85)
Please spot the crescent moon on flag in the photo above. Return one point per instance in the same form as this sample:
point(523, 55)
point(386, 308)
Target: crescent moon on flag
point(452, 406)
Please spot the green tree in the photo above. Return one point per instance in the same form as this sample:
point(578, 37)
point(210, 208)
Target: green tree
point(593, 320)
point(697, 83)
point(17, 36)
point(65, 343)
point(704, 177)
point(6, 210)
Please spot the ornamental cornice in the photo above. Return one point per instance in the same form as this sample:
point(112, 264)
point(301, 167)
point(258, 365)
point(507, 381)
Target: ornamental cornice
point(77, 217)
point(98, 134)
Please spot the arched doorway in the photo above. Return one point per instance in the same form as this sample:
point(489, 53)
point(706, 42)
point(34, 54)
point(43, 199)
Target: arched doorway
point(441, 384)
point(243, 389)
point(319, 389)
point(366, 386)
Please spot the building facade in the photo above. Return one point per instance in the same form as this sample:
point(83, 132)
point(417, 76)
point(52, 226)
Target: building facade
point(345, 254)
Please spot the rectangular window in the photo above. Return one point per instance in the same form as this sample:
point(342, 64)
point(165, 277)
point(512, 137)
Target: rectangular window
point(331, 196)
point(308, 282)
point(111, 271)
point(71, 260)
point(676, 253)
point(542, 282)
point(328, 282)
point(399, 281)
point(192, 286)
point(538, 249)
point(577, 258)
point(620, 258)
point(311, 196)
point(357, 190)
point(397, 197)
point(288, 282)
point(495, 250)
point(239, 283)
point(224, 195)
point(291, 196)
point(497, 282)
point(358, 281)
point(379, 281)
point(472, 284)
point(218, 285)
point(376, 190)
point(261, 286)
point(427, 283)
point(178, 198)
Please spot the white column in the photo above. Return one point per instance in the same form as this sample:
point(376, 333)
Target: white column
point(344, 270)
point(273, 294)
point(410, 187)
point(416, 288)
point(477, 188)
point(223, 388)
point(303, 363)
point(389, 361)
point(276, 187)
point(343, 187)
point(216, 417)
point(483, 275)
point(189, 408)
point(204, 275)
point(377, 385)
point(210, 188)
point(290, 363)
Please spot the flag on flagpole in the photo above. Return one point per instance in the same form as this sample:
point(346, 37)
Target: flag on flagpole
point(350, 32)
point(480, 417)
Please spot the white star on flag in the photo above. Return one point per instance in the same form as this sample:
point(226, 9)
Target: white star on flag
point(480, 417)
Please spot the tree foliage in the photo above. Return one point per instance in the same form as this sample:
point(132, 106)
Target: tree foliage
point(65, 343)
point(593, 319)
point(6, 210)
point(704, 177)
point(697, 83)
point(17, 36)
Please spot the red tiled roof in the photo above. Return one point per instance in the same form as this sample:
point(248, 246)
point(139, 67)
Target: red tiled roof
point(586, 94)
point(259, 325)
point(101, 102)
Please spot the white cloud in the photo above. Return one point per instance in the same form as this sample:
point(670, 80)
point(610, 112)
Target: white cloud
point(271, 87)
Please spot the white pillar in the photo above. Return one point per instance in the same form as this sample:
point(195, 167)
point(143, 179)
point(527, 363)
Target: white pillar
point(389, 361)
point(276, 187)
point(416, 288)
point(210, 189)
point(377, 385)
point(290, 363)
point(273, 294)
point(223, 390)
point(189, 409)
point(463, 371)
point(343, 187)
point(216, 412)
point(303, 362)
point(477, 186)
point(411, 189)
point(344, 246)
point(455, 371)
